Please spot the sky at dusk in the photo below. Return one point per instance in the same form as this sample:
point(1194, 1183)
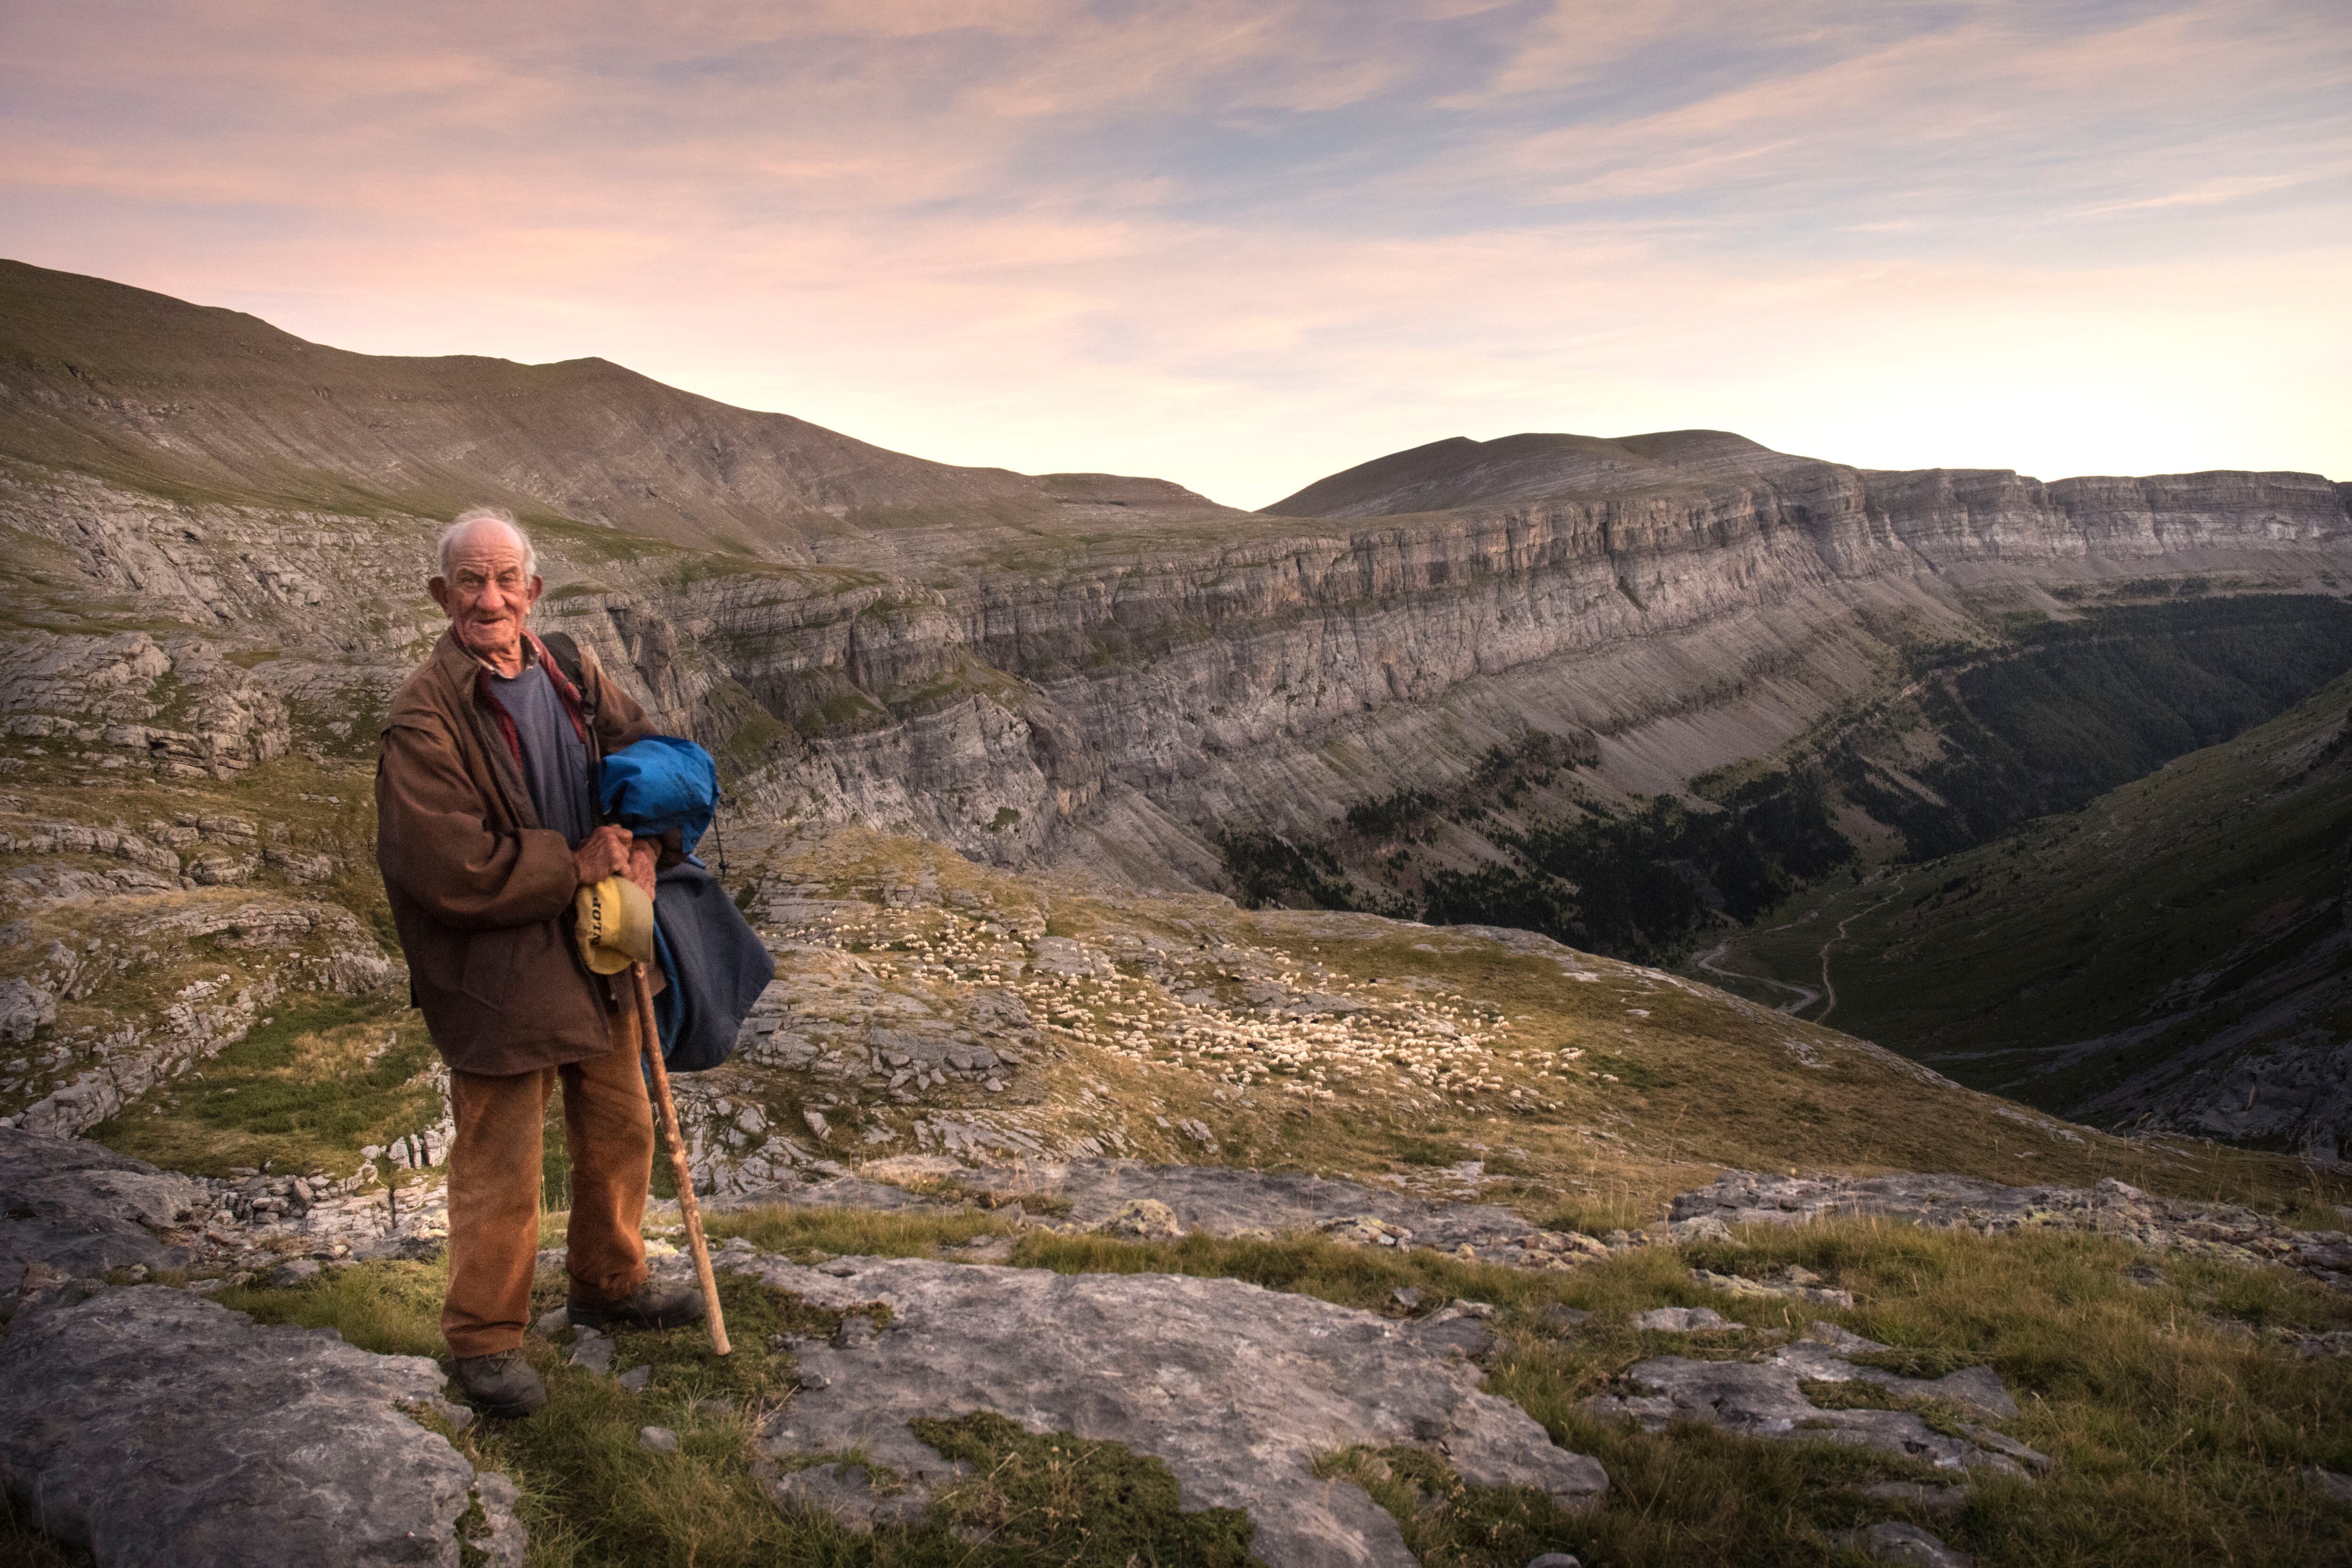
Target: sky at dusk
point(1241, 245)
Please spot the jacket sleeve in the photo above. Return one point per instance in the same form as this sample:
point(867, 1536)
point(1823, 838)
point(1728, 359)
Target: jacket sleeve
point(434, 841)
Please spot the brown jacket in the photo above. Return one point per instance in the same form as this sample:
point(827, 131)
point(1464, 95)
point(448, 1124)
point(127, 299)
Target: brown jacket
point(481, 894)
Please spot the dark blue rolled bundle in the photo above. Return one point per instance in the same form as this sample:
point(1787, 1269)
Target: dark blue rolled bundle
point(716, 964)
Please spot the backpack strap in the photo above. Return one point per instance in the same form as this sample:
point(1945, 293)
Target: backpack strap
point(565, 652)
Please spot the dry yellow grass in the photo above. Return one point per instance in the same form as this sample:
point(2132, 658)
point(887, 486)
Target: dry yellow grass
point(1580, 1083)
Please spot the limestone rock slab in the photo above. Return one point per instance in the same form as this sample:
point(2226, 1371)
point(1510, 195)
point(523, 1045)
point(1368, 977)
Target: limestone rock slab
point(160, 1430)
point(2109, 1207)
point(1766, 1399)
point(1236, 1388)
point(1908, 1546)
point(82, 1208)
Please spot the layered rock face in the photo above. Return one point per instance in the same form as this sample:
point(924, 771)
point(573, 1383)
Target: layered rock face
point(1112, 705)
point(1080, 669)
point(1277, 680)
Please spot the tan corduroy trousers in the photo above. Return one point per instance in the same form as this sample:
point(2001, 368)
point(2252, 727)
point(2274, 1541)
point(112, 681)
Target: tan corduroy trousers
point(495, 1181)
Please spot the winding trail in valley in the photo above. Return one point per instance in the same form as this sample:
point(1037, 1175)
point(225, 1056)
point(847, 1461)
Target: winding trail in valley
point(1829, 987)
point(1800, 996)
point(1803, 997)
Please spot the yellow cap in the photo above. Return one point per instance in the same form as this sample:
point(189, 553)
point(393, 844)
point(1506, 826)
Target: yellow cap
point(615, 925)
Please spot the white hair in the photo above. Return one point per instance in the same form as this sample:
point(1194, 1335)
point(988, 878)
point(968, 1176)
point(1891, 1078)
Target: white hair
point(474, 517)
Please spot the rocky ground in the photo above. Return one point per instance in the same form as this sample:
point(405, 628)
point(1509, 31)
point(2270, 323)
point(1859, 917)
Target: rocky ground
point(928, 1007)
point(945, 1040)
point(2226, 1231)
point(82, 1208)
point(154, 1427)
point(1240, 1391)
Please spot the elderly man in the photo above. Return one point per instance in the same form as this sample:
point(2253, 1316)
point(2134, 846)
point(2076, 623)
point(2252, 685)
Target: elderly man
point(486, 827)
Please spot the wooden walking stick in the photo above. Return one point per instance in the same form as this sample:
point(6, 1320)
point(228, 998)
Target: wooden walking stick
point(650, 1037)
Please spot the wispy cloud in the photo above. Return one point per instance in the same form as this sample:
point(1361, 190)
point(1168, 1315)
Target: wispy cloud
point(1240, 242)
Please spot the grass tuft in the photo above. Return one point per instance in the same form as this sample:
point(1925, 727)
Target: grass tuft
point(1447, 1524)
point(23, 1546)
point(851, 1233)
point(1085, 1504)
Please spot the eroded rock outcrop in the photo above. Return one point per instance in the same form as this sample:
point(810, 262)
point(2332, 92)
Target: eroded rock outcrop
point(178, 704)
point(296, 946)
point(82, 1209)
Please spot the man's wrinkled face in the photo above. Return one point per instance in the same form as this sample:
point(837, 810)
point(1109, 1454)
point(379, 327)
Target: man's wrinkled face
point(486, 593)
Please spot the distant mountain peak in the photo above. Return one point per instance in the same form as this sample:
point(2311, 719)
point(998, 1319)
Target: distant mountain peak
point(1533, 466)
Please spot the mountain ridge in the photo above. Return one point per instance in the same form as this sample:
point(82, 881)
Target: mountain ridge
point(1457, 472)
point(131, 382)
point(1124, 667)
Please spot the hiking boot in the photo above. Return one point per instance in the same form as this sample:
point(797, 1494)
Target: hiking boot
point(651, 1305)
point(501, 1385)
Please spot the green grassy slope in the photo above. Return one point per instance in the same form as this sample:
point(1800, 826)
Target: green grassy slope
point(2092, 962)
point(2073, 709)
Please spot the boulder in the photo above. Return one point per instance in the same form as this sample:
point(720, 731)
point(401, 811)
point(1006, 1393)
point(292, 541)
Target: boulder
point(1681, 1320)
point(159, 1430)
point(25, 1009)
point(81, 1208)
point(1143, 1219)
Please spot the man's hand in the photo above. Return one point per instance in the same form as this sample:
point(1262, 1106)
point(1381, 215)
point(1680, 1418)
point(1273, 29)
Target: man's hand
point(644, 853)
point(603, 853)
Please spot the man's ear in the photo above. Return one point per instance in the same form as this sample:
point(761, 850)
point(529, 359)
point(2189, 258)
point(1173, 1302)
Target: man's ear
point(538, 586)
point(439, 588)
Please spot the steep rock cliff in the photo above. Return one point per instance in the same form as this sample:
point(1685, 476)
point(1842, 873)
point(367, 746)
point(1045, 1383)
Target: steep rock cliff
point(1078, 668)
point(1278, 678)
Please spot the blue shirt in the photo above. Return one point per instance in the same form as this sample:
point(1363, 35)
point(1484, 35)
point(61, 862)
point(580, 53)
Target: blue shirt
point(554, 762)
